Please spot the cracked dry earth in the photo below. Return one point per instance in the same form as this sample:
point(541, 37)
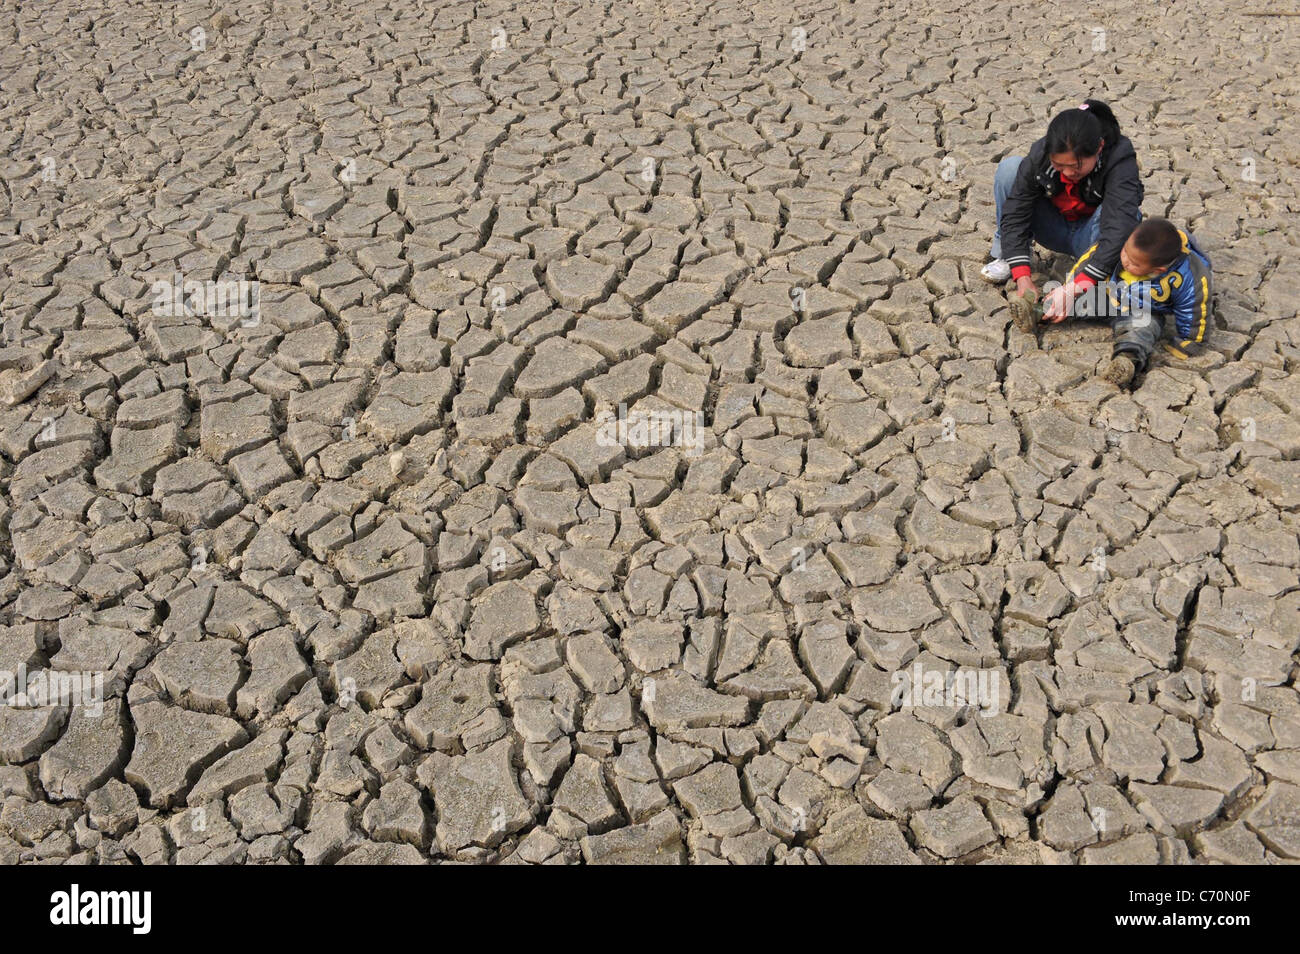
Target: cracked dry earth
point(365, 584)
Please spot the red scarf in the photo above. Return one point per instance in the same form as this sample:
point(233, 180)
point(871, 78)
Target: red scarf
point(1071, 207)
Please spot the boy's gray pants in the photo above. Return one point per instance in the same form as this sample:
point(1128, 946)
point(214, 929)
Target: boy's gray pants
point(1136, 332)
point(1137, 336)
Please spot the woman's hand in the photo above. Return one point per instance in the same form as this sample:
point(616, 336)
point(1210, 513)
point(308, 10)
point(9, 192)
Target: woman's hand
point(1057, 305)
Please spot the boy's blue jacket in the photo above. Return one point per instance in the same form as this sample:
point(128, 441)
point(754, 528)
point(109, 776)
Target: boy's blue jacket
point(1184, 289)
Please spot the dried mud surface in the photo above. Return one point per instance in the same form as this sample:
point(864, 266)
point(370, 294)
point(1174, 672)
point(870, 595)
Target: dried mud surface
point(367, 582)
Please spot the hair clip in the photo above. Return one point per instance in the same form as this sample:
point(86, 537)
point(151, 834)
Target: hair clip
point(1083, 105)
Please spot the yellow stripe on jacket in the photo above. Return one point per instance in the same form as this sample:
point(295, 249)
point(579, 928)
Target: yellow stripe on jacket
point(1205, 304)
point(1079, 264)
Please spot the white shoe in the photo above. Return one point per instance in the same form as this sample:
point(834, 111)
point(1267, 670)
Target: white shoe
point(996, 271)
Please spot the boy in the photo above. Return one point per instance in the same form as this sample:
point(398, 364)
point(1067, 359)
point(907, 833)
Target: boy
point(1161, 271)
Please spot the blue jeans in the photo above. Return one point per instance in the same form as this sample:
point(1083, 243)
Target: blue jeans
point(1048, 227)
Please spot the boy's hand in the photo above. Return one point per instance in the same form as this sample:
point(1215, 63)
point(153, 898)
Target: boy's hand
point(1026, 286)
point(1057, 306)
point(1184, 349)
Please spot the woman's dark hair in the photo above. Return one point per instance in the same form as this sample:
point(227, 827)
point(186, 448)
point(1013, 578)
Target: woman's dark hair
point(1080, 131)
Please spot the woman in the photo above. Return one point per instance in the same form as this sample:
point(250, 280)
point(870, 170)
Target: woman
point(1078, 189)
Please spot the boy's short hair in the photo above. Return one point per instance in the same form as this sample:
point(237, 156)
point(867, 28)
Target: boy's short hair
point(1159, 240)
